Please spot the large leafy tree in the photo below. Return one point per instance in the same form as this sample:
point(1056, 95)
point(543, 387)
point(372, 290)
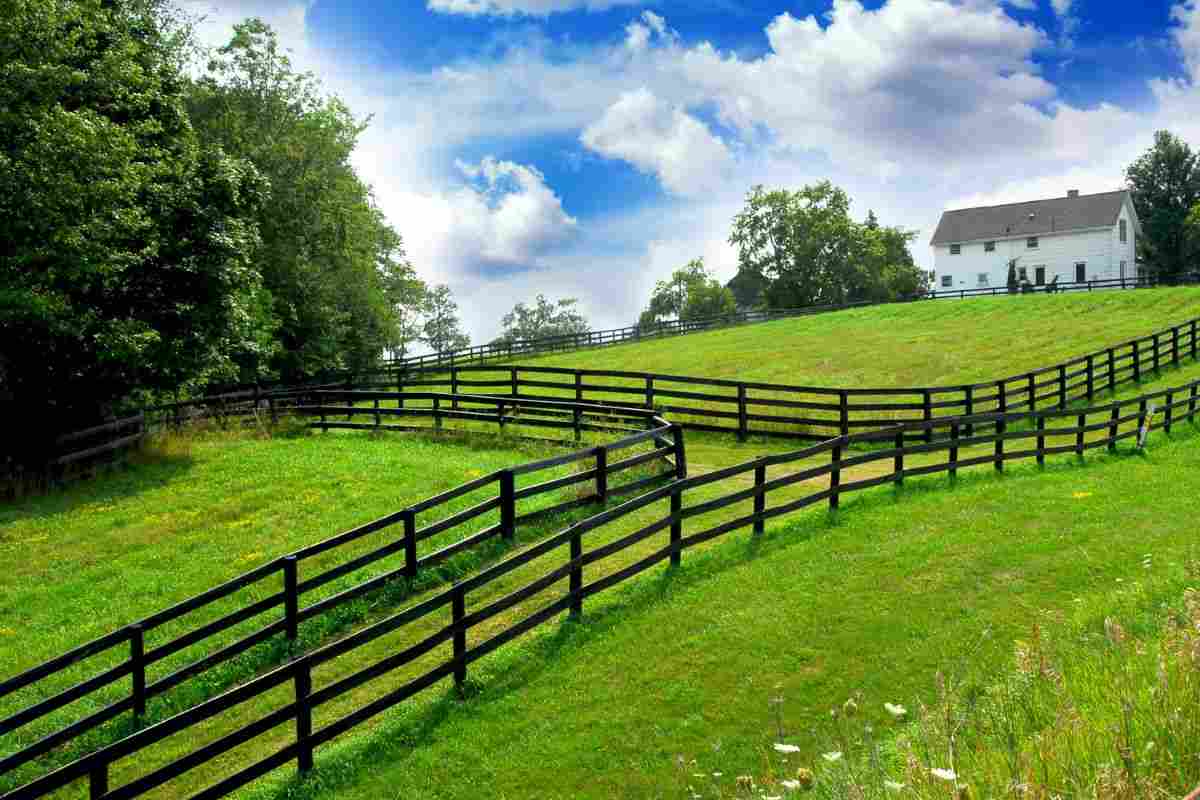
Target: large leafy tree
point(442, 329)
point(690, 293)
point(124, 243)
point(1165, 181)
point(799, 248)
point(543, 318)
point(328, 257)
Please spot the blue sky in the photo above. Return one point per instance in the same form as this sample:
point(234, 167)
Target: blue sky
point(587, 147)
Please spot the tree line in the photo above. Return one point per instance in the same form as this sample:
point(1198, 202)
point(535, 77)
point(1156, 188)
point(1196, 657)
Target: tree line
point(171, 219)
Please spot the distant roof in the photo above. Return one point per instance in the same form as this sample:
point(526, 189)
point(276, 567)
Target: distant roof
point(1013, 219)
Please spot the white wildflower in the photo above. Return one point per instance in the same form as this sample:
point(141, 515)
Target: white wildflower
point(790, 785)
point(894, 786)
point(836, 755)
point(897, 711)
point(780, 747)
point(944, 774)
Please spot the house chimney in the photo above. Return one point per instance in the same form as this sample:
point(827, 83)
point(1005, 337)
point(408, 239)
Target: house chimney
point(1072, 193)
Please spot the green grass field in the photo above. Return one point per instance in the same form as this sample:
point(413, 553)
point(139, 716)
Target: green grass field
point(872, 601)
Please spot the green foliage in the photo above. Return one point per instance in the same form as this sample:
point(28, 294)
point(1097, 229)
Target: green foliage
point(544, 318)
point(749, 289)
point(690, 293)
point(442, 330)
point(335, 269)
point(124, 243)
point(808, 250)
point(1165, 181)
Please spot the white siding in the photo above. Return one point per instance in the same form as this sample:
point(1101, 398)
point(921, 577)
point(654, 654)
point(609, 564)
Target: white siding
point(1098, 249)
point(1124, 252)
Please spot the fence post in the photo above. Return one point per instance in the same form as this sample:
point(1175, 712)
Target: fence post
point(458, 610)
point(508, 504)
point(291, 599)
point(1137, 367)
point(1167, 412)
point(680, 453)
point(1032, 391)
point(1091, 377)
point(1041, 441)
point(577, 421)
point(98, 781)
point(969, 407)
point(953, 450)
point(760, 499)
point(676, 525)
point(1112, 427)
point(1192, 402)
point(927, 414)
point(1155, 342)
point(378, 420)
point(1194, 343)
point(743, 423)
point(835, 475)
point(410, 544)
point(303, 686)
point(137, 663)
point(898, 459)
point(1002, 405)
point(602, 474)
point(649, 392)
point(513, 379)
point(1112, 370)
point(437, 412)
point(578, 386)
point(1175, 345)
point(454, 387)
point(1062, 385)
point(576, 580)
point(1001, 427)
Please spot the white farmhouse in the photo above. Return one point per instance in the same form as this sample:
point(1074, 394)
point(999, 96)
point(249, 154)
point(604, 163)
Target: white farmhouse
point(1074, 238)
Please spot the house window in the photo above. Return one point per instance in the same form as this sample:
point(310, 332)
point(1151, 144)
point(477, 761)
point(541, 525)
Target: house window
point(1124, 232)
point(983, 279)
point(1080, 272)
point(955, 249)
point(1032, 242)
point(1022, 274)
point(989, 247)
point(1039, 276)
point(947, 281)
point(1123, 270)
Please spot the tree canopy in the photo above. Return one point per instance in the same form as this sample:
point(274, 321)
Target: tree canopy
point(690, 293)
point(442, 329)
point(1165, 182)
point(543, 318)
point(799, 248)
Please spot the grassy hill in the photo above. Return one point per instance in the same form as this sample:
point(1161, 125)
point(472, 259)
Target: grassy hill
point(870, 604)
point(914, 344)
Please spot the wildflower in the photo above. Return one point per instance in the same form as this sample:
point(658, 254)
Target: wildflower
point(1113, 631)
point(780, 747)
point(945, 774)
point(833, 757)
point(744, 783)
point(897, 711)
point(7, 632)
point(850, 708)
point(804, 777)
point(1080, 495)
point(894, 786)
point(718, 774)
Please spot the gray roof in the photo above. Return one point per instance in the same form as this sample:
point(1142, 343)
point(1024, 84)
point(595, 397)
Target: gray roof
point(1013, 219)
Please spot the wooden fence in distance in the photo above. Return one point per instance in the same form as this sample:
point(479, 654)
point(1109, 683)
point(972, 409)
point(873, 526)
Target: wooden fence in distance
point(818, 413)
point(415, 524)
point(1011, 436)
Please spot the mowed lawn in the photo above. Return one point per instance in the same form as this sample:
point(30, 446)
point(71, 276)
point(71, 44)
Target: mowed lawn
point(934, 343)
point(872, 602)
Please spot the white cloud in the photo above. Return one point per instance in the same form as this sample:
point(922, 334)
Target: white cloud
point(660, 140)
point(1187, 35)
point(510, 8)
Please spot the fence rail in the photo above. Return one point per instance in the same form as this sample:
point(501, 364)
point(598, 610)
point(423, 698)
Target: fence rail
point(817, 413)
point(1011, 436)
point(291, 597)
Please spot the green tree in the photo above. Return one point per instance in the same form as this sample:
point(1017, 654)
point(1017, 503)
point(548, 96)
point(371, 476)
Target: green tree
point(801, 242)
point(1165, 182)
point(442, 330)
point(408, 295)
point(124, 244)
point(690, 293)
point(749, 288)
point(328, 257)
point(882, 266)
point(543, 318)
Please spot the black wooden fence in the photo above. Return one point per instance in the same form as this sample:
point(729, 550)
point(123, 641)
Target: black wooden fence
point(1004, 437)
point(817, 413)
point(415, 524)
